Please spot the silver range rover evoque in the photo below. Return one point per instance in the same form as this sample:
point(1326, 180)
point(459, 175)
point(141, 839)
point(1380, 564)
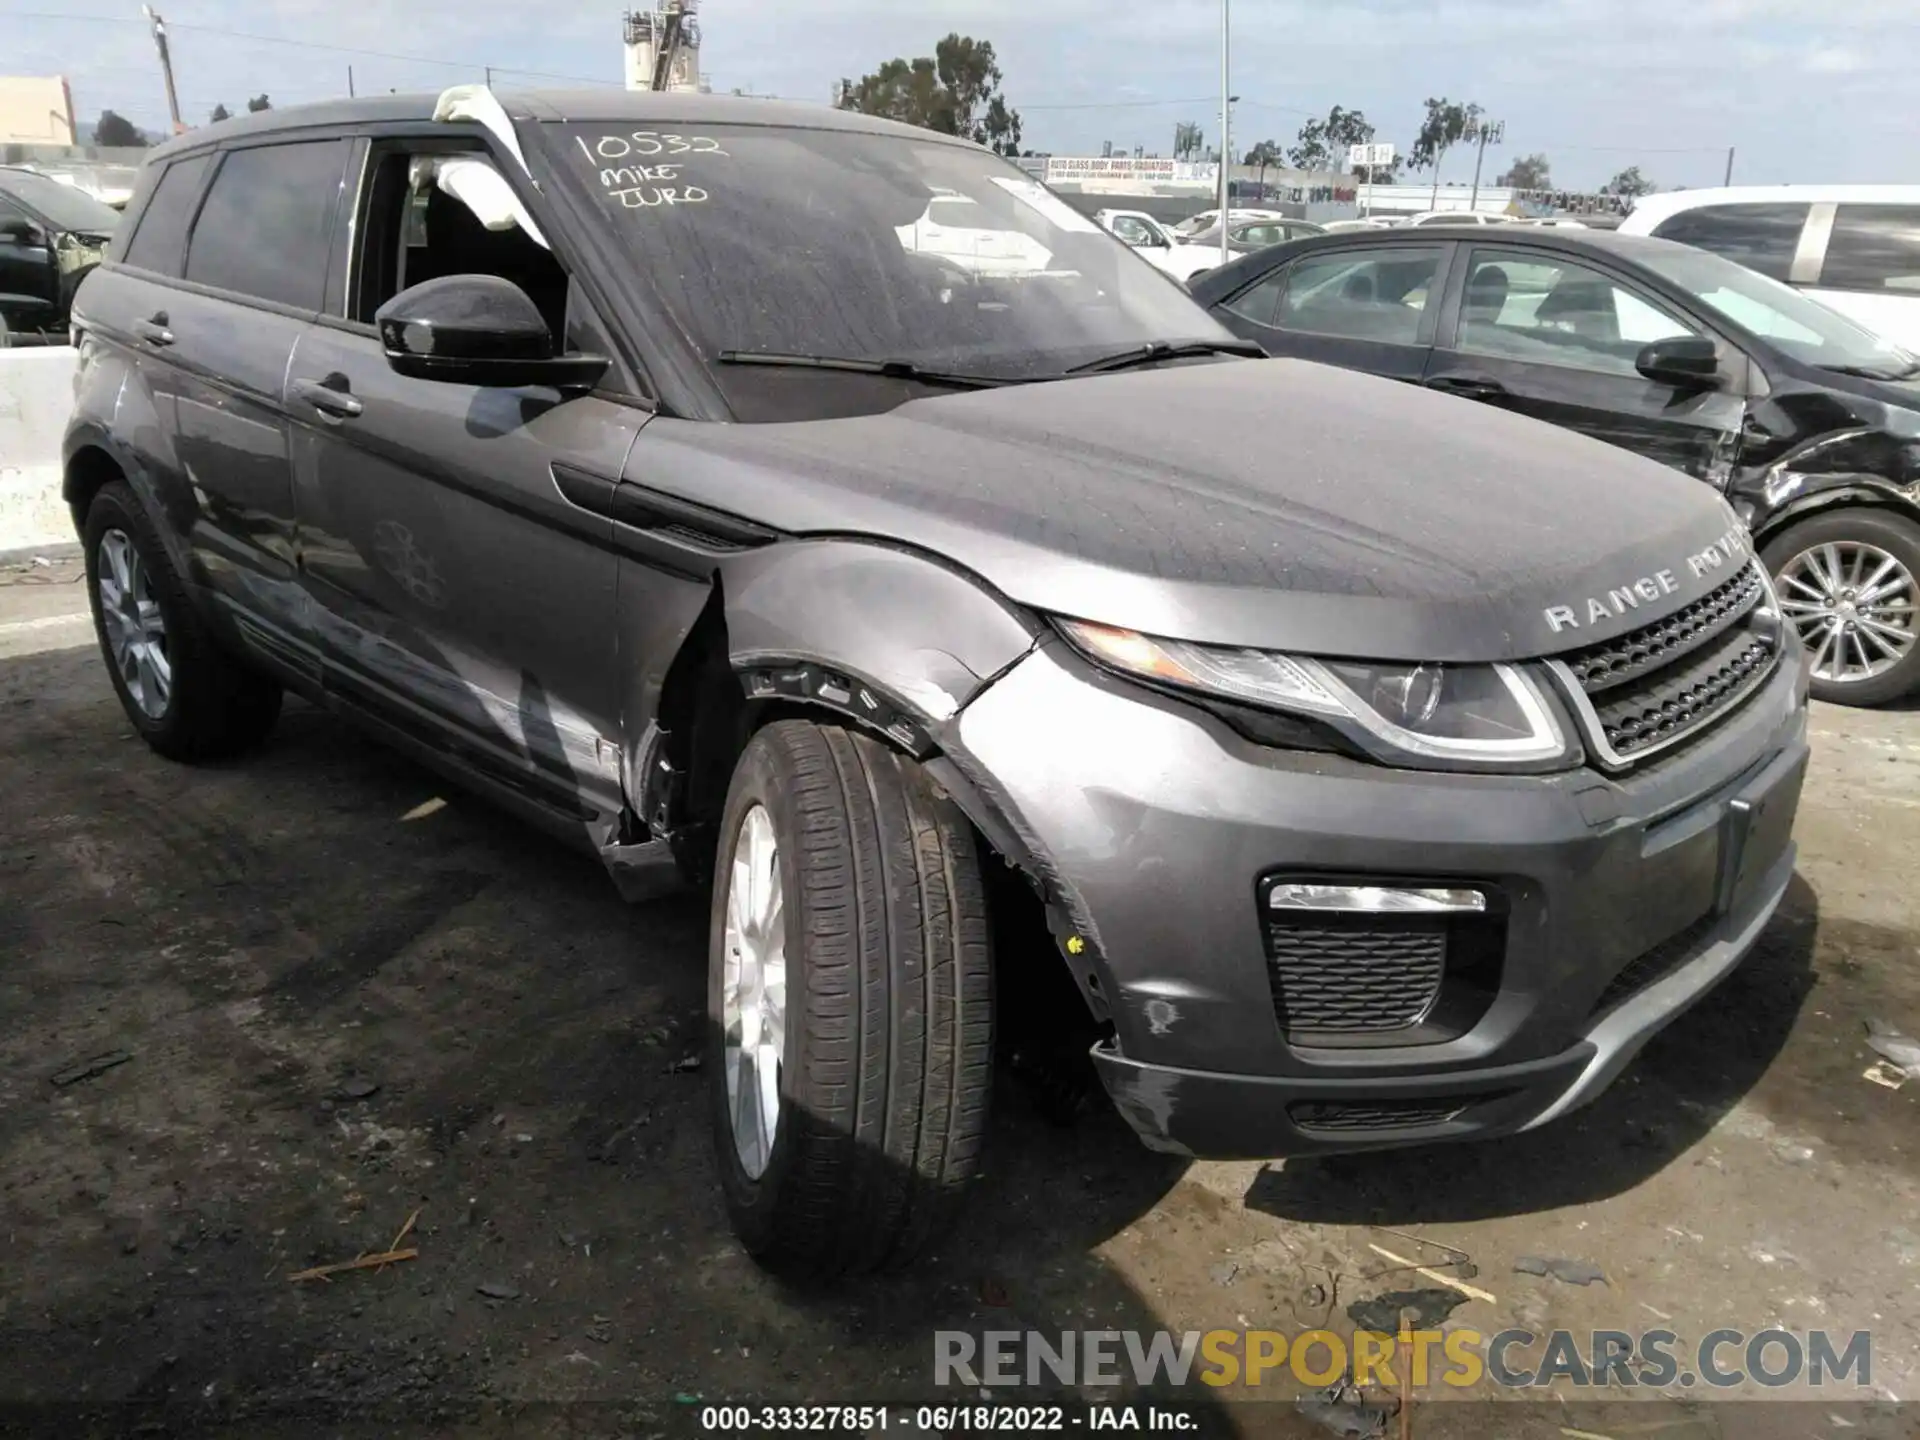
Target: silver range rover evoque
point(819, 510)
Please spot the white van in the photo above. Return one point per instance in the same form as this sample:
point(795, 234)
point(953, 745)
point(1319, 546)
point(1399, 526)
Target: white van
point(1854, 247)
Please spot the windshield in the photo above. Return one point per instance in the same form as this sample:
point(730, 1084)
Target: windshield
point(66, 207)
point(868, 247)
point(1805, 329)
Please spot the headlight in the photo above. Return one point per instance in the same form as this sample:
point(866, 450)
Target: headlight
point(1452, 716)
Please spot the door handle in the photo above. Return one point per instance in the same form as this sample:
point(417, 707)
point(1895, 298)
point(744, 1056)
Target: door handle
point(154, 331)
point(329, 396)
point(1473, 387)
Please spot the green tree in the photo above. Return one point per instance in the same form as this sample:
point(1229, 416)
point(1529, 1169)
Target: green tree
point(1323, 144)
point(220, 112)
point(1529, 172)
point(1629, 183)
point(956, 90)
point(1446, 125)
point(116, 130)
point(259, 103)
point(1187, 140)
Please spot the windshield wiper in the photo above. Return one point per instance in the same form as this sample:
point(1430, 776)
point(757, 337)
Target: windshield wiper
point(891, 369)
point(1158, 350)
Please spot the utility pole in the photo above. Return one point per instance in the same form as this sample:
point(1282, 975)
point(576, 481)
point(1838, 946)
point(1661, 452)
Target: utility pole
point(1729, 179)
point(1487, 132)
point(349, 82)
point(1226, 121)
point(159, 27)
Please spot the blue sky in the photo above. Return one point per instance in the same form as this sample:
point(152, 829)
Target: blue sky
point(1806, 89)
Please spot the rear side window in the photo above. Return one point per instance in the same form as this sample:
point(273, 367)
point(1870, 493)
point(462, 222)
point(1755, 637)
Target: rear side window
point(160, 242)
point(268, 222)
point(1362, 294)
point(1258, 303)
point(1874, 247)
point(1760, 237)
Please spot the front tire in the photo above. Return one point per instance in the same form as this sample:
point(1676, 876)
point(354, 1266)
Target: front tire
point(850, 1003)
point(1848, 581)
point(187, 697)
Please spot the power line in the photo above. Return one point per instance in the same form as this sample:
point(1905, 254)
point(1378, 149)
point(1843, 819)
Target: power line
point(312, 45)
point(1121, 104)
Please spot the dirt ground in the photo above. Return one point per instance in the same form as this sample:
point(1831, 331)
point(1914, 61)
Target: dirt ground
point(344, 992)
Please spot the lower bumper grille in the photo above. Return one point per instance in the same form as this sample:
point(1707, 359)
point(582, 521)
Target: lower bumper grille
point(1358, 1117)
point(1653, 965)
point(1357, 975)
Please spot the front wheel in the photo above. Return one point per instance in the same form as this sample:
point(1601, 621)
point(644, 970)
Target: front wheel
point(850, 1003)
point(1848, 581)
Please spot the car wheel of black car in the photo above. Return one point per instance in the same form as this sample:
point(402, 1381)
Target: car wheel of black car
point(1847, 581)
point(849, 1003)
point(188, 699)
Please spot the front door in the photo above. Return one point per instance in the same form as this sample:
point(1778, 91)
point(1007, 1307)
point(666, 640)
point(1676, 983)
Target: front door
point(1369, 308)
point(456, 593)
point(1542, 335)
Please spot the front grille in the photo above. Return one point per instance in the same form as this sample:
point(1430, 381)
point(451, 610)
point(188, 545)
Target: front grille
point(1654, 965)
point(1653, 688)
point(1601, 667)
point(1683, 695)
point(1353, 1117)
point(1358, 975)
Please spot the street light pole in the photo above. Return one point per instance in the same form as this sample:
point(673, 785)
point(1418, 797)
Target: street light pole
point(1490, 132)
point(1226, 121)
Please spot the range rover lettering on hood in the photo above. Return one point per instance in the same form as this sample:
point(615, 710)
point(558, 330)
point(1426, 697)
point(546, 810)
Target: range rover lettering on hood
point(1731, 547)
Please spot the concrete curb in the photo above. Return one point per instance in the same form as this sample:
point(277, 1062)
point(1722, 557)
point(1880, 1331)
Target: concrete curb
point(36, 397)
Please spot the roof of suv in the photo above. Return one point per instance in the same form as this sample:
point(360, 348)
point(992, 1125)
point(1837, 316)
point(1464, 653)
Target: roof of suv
point(593, 105)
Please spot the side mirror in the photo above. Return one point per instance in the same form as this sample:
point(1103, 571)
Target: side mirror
point(1689, 362)
point(18, 230)
point(477, 330)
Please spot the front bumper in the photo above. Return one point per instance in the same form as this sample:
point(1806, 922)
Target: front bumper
point(1155, 825)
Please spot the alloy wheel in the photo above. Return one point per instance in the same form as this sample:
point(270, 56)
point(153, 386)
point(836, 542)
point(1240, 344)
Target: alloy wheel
point(136, 630)
point(753, 990)
point(1853, 604)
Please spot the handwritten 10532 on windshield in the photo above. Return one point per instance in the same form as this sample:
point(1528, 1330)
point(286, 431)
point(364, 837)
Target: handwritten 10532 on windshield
point(638, 169)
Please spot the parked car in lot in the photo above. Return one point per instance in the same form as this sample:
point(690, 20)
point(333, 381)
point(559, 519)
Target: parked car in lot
point(619, 455)
point(1855, 248)
point(51, 235)
point(1808, 423)
point(1184, 258)
point(1455, 217)
point(1207, 219)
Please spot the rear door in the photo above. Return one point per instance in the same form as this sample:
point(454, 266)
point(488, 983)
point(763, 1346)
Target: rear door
point(255, 271)
point(1542, 334)
point(1869, 267)
point(1368, 307)
point(457, 592)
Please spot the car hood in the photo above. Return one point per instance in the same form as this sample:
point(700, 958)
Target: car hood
point(1270, 503)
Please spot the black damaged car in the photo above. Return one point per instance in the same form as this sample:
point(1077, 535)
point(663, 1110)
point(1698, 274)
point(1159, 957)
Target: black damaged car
point(819, 510)
point(1807, 422)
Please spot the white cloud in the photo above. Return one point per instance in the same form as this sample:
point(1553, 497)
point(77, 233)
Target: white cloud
point(1835, 60)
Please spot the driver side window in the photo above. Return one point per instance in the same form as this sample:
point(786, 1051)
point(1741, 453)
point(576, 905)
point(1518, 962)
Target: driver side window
point(1540, 309)
point(415, 229)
